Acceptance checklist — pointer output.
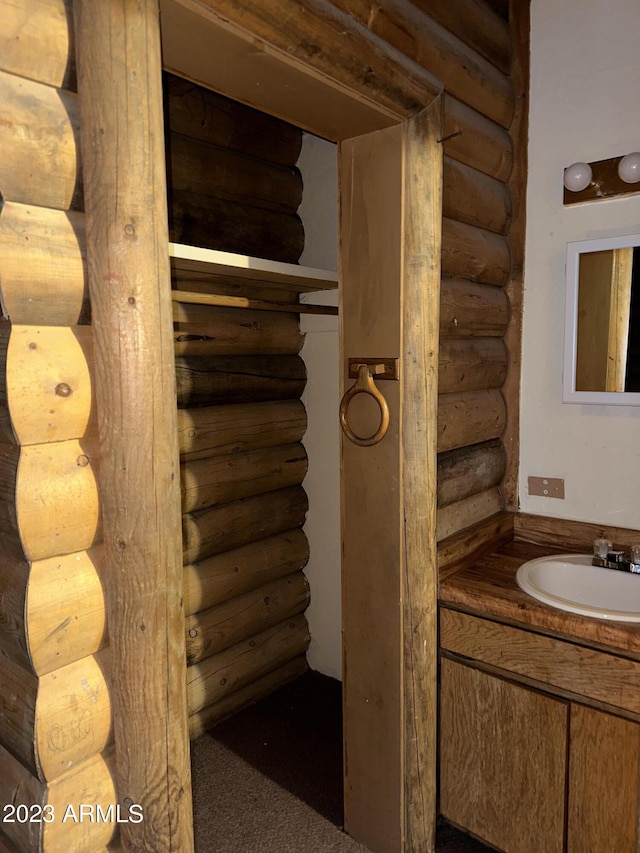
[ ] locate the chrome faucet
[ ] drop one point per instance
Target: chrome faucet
(604, 555)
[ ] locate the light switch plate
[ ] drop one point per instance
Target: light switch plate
(546, 487)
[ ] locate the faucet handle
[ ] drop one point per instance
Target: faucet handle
(601, 548)
(635, 558)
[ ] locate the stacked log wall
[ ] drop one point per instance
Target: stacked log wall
(240, 424)
(468, 46)
(232, 179)
(240, 419)
(55, 714)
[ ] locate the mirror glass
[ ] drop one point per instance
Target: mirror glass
(602, 333)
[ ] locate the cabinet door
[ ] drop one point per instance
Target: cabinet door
(502, 760)
(604, 761)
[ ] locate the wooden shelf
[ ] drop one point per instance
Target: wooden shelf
(226, 265)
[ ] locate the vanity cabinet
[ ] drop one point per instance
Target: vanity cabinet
(502, 760)
(525, 765)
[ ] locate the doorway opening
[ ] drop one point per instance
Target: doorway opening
(258, 392)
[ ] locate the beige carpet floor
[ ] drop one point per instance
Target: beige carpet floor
(269, 780)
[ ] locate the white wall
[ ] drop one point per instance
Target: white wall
(585, 67)
(321, 398)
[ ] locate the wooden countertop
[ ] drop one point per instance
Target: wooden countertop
(489, 588)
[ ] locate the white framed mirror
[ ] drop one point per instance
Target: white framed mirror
(602, 322)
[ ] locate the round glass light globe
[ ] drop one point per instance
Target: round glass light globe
(577, 177)
(629, 168)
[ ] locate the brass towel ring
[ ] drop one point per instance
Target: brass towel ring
(364, 384)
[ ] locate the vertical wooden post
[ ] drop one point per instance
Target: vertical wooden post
(420, 336)
(119, 87)
(391, 183)
(519, 13)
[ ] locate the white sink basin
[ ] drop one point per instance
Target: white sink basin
(570, 582)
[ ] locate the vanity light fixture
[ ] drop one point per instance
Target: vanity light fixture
(602, 179)
(577, 177)
(629, 168)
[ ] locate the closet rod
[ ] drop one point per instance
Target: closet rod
(257, 304)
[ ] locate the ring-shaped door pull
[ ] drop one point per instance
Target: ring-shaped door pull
(364, 384)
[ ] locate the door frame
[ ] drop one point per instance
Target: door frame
(315, 67)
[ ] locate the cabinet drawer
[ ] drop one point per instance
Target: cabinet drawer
(584, 672)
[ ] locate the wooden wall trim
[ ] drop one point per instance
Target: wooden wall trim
(120, 98)
(569, 535)
(463, 71)
(519, 22)
(315, 66)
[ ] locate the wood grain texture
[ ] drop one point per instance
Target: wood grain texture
(73, 715)
(570, 535)
(57, 721)
(245, 696)
(474, 253)
(519, 23)
(42, 167)
(602, 812)
(489, 730)
(91, 782)
(468, 511)
(358, 62)
(372, 241)
(469, 418)
(420, 299)
(214, 630)
(56, 498)
(242, 569)
(468, 309)
(464, 73)
(36, 41)
(475, 140)
(199, 113)
(469, 470)
(19, 786)
(122, 131)
(221, 528)
(219, 676)
(488, 587)
(14, 581)
(18, 713)
(209, 330)
(48, 383)
(473, 197)
(220, 479)
(208, 170)
(65, 609)
(471, 364)
(239, 428)
(203, 380)
(592, 674)
(197, 219)
(42, 268)
(463, 549)
(476, 25)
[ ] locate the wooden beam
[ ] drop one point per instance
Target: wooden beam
(476, 25)
(519, 18)
(464, 73)
(305, 61)
(420, 321)
(120, 97)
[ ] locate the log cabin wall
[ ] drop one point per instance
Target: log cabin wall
(232, 178)
(55, 715)
(233, 185)
(55, 720)
(473, 48)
